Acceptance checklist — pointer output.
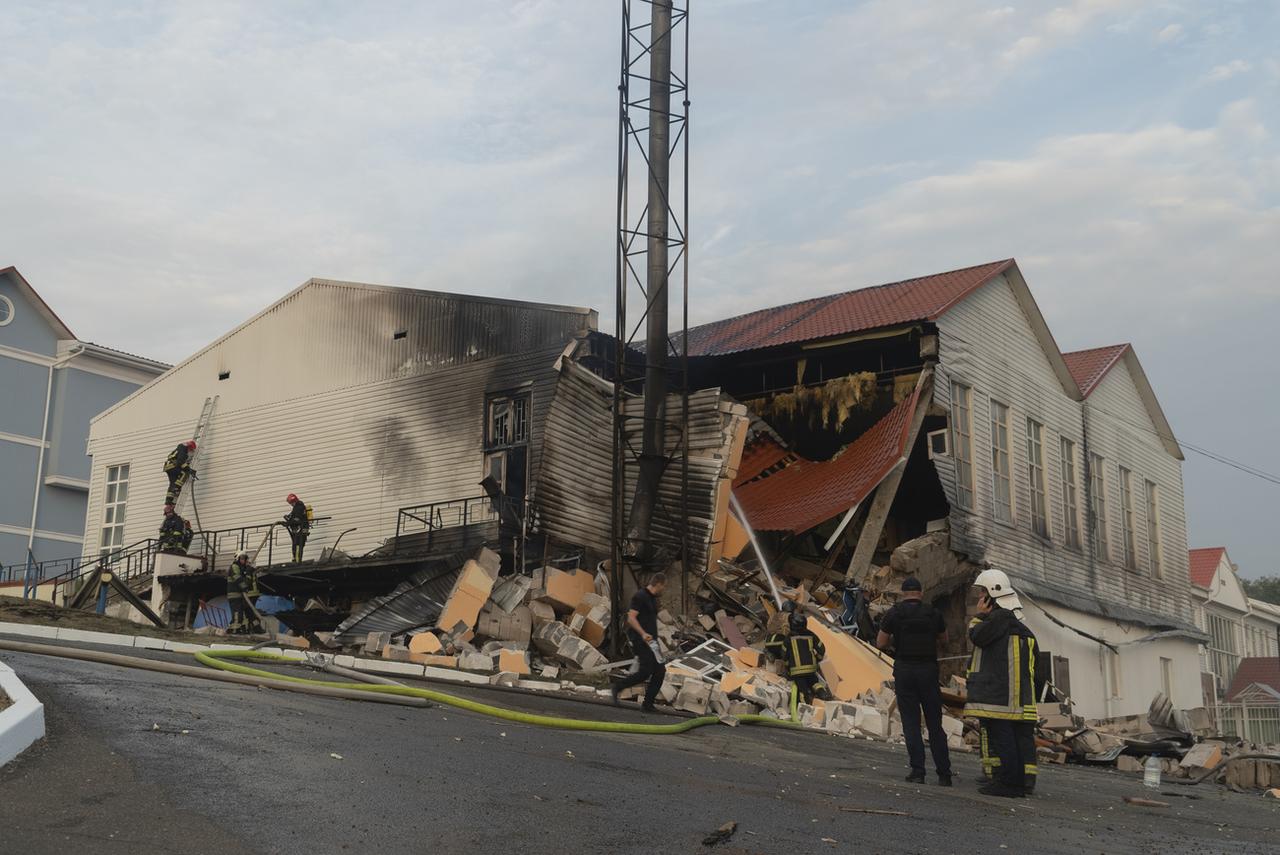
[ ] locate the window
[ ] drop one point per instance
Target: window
(1001, 483)
(1035, 478)
(1224, 654)
(1113, 672)
(400, 335)
(507, 421)
(1128, 544)
(1166, 677)
(6, 311)
(1070, 495)
(1154, 553)
(224, 375)
(117, 494)
(1098, 508)
(962, 441)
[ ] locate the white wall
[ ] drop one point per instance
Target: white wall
(1140, 675)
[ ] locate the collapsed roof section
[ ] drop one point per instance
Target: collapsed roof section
(807, 493)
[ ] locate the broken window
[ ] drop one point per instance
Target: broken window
(1128, 540)
(117, 495)
(962, 442)
(1035, 478)
(1098, 508)
(507, 423)
(1001, 482)
(1154, 552)
(1070, 495)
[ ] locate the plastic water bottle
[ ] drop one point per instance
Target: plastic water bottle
(1151, 772)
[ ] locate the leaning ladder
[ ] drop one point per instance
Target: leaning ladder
(202, 424)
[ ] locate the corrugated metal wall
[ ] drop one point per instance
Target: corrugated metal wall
(576, 478)
(986, 343)
(361, 428)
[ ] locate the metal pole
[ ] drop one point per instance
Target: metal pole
(653, 457)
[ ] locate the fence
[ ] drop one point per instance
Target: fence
(1252, 722)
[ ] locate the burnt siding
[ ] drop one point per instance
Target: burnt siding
(986, 342)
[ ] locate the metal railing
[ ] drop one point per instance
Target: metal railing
(435, 517)
(1252, 722)
(260, 539)
(125, 563)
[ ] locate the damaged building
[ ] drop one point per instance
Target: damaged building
(933, 427)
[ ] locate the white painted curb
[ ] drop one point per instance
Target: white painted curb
(21, 723)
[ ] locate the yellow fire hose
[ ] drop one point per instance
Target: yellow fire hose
(231, 672)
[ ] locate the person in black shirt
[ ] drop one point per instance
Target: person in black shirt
(298, 522)
(642, 632)
(914, 628)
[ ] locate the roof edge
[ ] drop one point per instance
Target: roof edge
(60, 327)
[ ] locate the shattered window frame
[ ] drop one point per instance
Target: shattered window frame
(1155, 550)
(1128, 532)
(115, 502)
(507, 418)
(962, 442)
(1036, 480)
(1070, 493)
(1001, 465)
(1098, 506)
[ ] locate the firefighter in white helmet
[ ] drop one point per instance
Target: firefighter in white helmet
(242, 583)
(1001, 687)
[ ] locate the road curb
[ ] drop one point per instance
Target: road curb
(21, 723)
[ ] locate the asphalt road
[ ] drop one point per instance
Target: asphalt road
(256, 773)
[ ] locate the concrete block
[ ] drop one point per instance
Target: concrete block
(504, 678)
(85, 636)
(513, 661)
(694, 696)
(454, 676)
(538, 685)
(1206, 755)
(144, 642)
(385, 666)
(29, 630)
(344, 661)
(183, 647)
(475, 662)
(22, 722)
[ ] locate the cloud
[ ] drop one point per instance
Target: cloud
(1227, 71)
(1171, 34)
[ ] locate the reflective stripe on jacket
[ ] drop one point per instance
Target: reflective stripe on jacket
(1001, 681)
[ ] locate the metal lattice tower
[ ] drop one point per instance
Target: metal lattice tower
(650, 506)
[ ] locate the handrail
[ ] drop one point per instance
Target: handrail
(454, 513)
(221, 541)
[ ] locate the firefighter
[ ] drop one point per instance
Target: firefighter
(242, 583)
(188, 534)
(1001, 687)
(174, 530)
(802, 654)
(298, 522)
(175, 466)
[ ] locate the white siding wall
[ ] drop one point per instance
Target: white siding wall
(987, 343)
(325, 402)
(356, 454)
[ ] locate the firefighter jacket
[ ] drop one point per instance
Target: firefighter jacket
(802, 651)
(298, 519)
(177, 459)
(242, 580)
(1001, 680)
(172, 532)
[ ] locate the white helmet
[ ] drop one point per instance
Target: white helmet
(242, 554)
(999, 588)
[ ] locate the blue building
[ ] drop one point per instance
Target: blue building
(52, 384)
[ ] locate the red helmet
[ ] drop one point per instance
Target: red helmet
(168, 509)
(291, 498)
(190, 444)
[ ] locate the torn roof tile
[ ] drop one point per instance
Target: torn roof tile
(808, 493)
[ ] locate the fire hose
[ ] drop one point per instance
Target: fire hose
(219, 669)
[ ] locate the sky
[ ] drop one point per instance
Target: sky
(170, 168)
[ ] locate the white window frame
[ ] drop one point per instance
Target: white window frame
(115, 500)
(1037, 482)
(8, 311)
(1070, 471)
(1155, 549)
(962, 442)
(1128, 524)
(1001, 453)
(1224, 647)
(1098, 507)
(1166, 677)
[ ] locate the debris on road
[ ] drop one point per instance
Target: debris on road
(721, 834)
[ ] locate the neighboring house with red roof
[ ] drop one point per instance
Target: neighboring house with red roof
(1238, 627)
(943, 402)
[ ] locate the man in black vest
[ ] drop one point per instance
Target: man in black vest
(914, 629)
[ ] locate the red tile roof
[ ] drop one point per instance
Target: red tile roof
(761, 454)
(923, 299)
(1088, 367)
(1204, 563)
(808, 493)
(1255, 669)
